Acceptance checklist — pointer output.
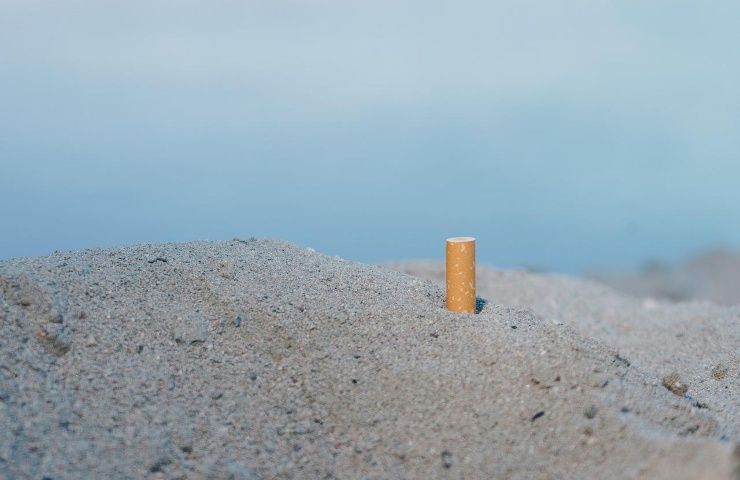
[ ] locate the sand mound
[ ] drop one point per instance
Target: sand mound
(258, 359)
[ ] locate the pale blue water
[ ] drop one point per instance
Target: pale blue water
(564, 135)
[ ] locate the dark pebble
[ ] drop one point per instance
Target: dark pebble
(159, 465)
(538, 415)
(447, 458)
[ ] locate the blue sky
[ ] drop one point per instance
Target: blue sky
(564, 135)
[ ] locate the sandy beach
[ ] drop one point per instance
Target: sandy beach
(252, 359)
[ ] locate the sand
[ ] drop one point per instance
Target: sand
(713, 276)
(698, 341)
(259, 359)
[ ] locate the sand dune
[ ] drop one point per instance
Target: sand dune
(259, 359)
(713, 276)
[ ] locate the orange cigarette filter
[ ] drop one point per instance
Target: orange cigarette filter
(461, 274)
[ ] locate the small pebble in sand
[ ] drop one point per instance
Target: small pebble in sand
(719, 372)
(538, 415)
(447, 458)
(55, 338)
(591, 411)
(674, 383)
(238, 321)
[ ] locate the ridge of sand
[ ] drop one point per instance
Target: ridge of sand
(260, 359)
(712, 276)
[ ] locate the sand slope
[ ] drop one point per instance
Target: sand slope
(698, 341)
(259, 359)
(713, 276)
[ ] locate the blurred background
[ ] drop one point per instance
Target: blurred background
(566, 136)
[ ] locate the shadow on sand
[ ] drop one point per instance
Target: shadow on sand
(480, 303)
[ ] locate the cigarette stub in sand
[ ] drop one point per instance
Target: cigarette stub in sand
(461, 274)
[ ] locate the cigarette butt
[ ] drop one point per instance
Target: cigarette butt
(461, 274)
